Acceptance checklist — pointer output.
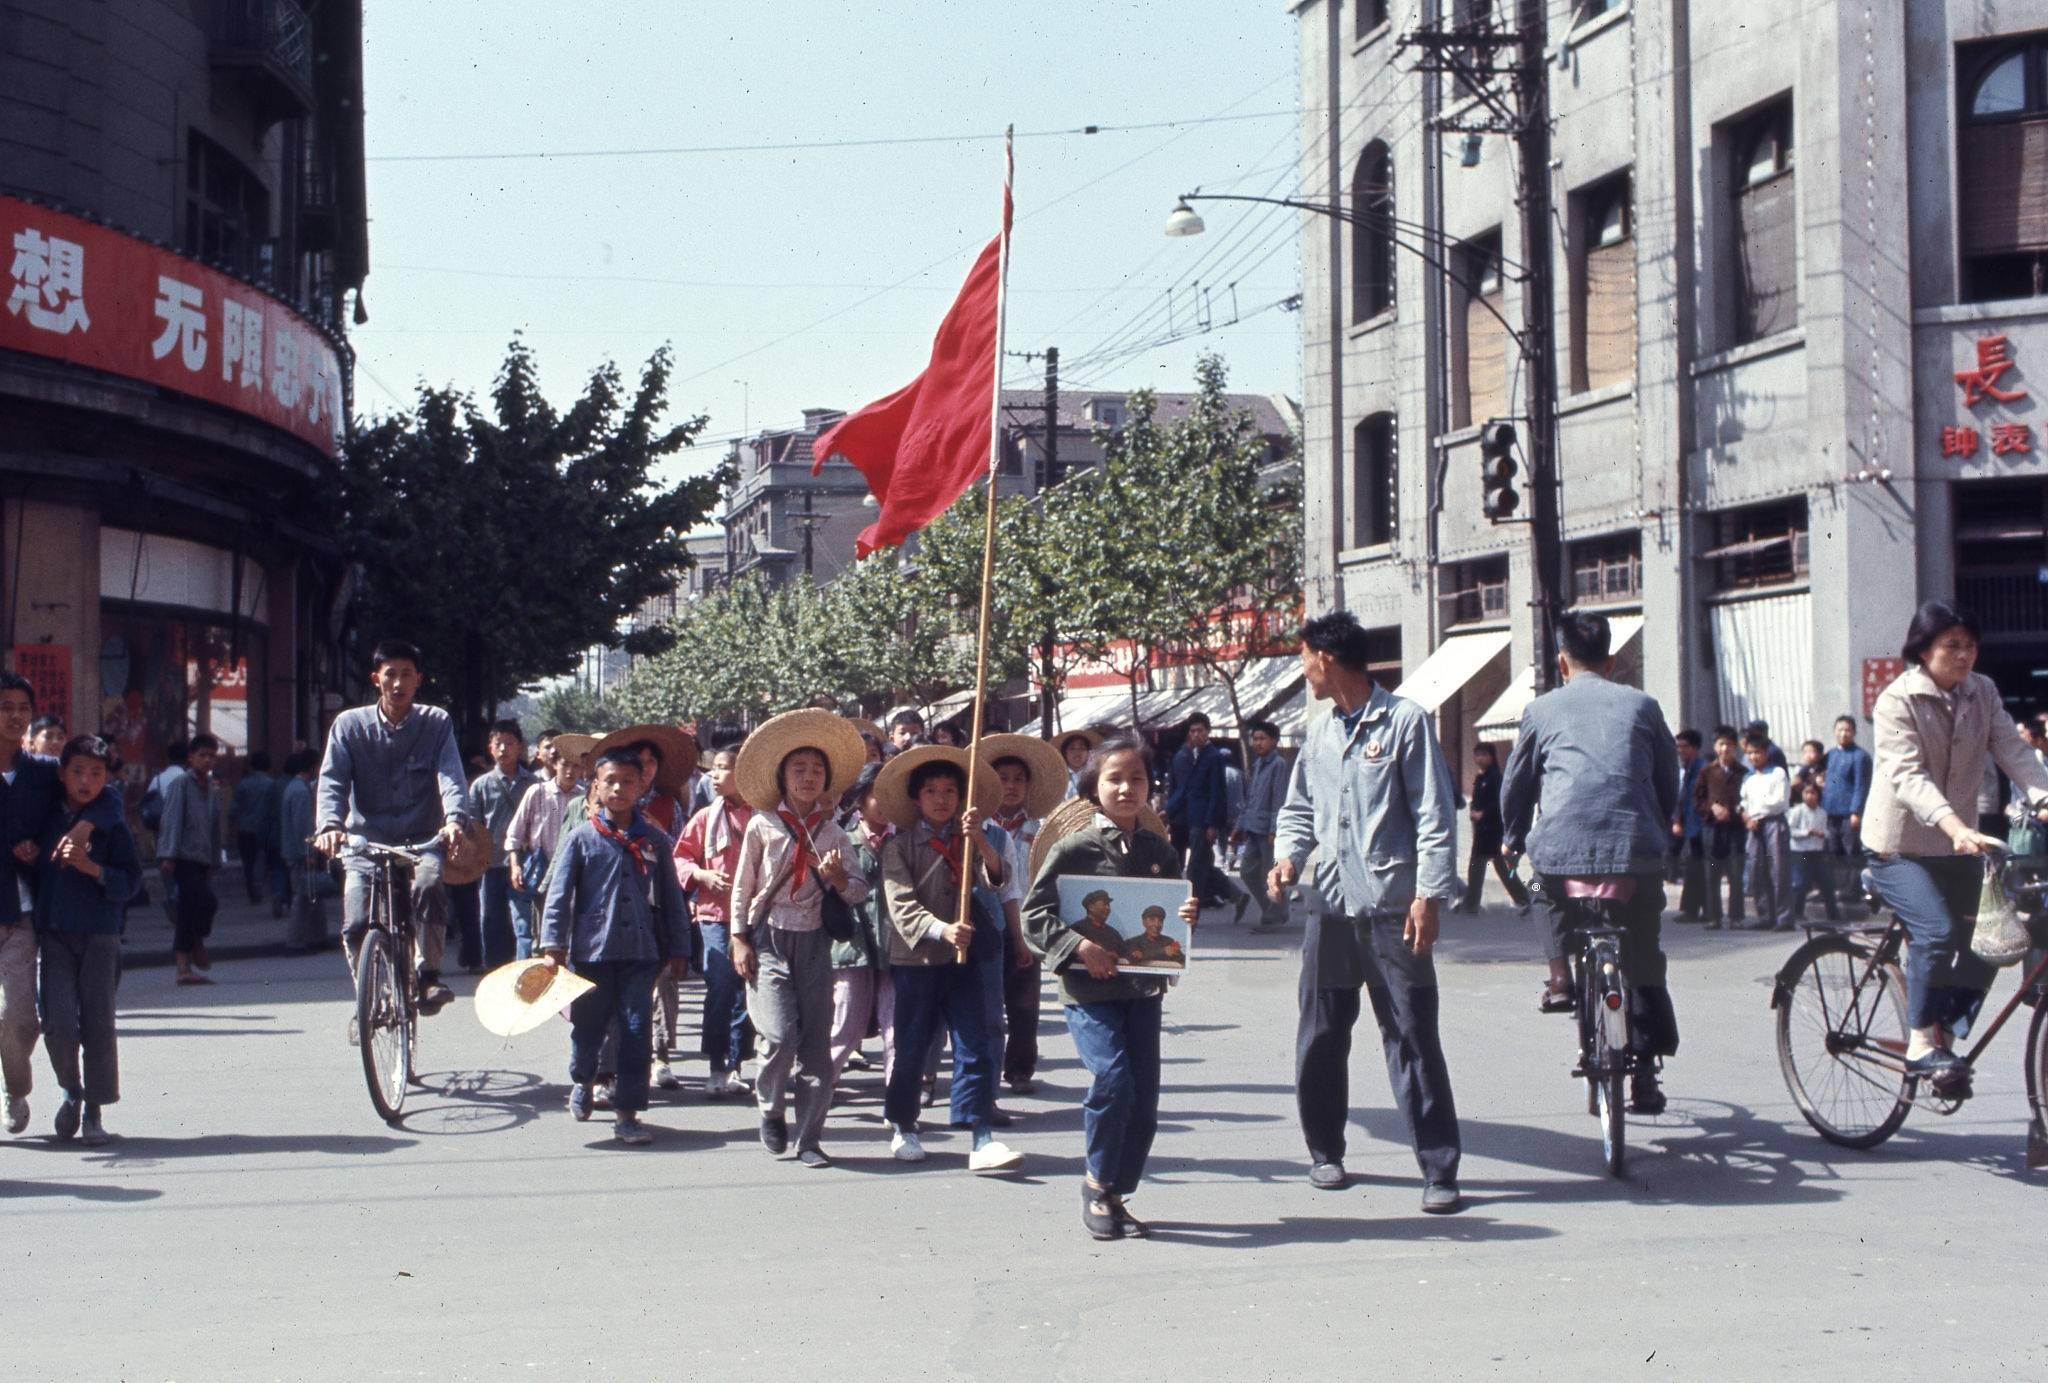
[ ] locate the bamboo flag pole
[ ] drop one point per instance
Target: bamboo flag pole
(988, 536)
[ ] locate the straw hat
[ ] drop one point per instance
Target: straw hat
(869, 728)
(678, 750)
(1069, 817)
(469, 856)
(1093, 736)
(830, 734)
(1048, 769)
(575, 748)
(892, 785)
(523, 995)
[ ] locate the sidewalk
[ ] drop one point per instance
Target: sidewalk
(241, 930)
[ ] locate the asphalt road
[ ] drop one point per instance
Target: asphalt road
(255, 1220)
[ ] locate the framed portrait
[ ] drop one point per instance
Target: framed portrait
(1139, 919)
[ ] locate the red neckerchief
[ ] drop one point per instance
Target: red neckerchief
(632, 845)
(950, 848)
(1012, 824)
(801, 828)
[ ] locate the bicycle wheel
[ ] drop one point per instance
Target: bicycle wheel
(382, 1024)
(2037, 1086)
(1842, 1048)
(1613, 1122)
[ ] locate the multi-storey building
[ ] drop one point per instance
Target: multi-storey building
(1800, 253)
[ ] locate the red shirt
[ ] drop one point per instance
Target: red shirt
(717, 851)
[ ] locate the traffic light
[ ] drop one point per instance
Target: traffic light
(1497, 471)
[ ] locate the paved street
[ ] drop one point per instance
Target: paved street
(256, 1221)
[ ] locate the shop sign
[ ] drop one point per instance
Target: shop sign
(81, 293)
(1981, 385)
(47, 666)
(1879, 673)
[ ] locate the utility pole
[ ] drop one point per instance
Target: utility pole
(1049, 636)
(807, 531)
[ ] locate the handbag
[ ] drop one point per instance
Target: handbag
(833, 911)
(1999, 938)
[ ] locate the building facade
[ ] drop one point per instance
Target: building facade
(1797, 295)
(181, 219)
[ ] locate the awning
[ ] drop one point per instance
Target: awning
(1111, 706)
(1261, 687)
(942, 709)
(1456, 661)
(1503, 718)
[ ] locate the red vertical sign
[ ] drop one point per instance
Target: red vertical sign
(1878, 673)
(47, 666)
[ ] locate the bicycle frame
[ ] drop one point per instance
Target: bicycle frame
(1875, 956)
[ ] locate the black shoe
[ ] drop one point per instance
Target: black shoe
(1328, 1176)
(1645, 1096)
(66, 1126)
(1441, 1198)
(1941, 1064)
(579, 1102)
(1244, 903)
(1126, 1221)
(1098, 1213)
(813, 1158)
(1023, 1085)
(775, 1133)
(434, 996)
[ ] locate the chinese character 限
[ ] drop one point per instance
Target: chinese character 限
(1959, 441)
(1994, 358)
(2010, 439)
(181, 308)
(49, 280)
(241, 342)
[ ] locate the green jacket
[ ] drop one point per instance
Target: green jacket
(869, 948)
(1091, 850)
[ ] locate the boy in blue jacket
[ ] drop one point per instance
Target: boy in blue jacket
(85, 882)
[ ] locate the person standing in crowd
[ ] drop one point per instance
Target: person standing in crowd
(1846, 788)
(1811, 767)
(1484, 810)
(45, 737)
(615, 916)
(151, 812)
(791, 852)
(88, 873)
(306, 869)
(494, 796)
(1197, 811)
(1717, 797)
(1075, 749)
(253, 809)
(1264, 794)
(1774, 757)
(1766, 796)
(1114, 1018)
(707, 853)
(188, 850)
(1370, 785)
(1688, 864)
(1807, 829)
(531, 833)
(862, 993)
(544, 753)
(1033, 777)
(906, 729)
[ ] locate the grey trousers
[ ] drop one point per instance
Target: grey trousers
(18, 1028)
(1770, 872)
(790, 1002)
(1252, 869)
(429, 910)
(80, 973)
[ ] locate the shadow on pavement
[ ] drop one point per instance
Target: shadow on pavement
(125, 1032)
(142, 1150)
(1454, 1229)
(11, 1190)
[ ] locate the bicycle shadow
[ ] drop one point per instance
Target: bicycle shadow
(472, 1102)
(144, 1150)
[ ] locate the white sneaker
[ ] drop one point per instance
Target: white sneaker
(993, 1157)
(17, 1113)
(904, 1147)
(666, 1078)
(735, 1084)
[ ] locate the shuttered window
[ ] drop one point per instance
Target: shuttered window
(1487, 360)
(1604, 317)
(1372, 234)
(2002, 169)
(1766, 226)
(1375, 481)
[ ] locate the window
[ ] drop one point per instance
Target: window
(1765, 223)
(1481, 348)
(2002, 168)
(1603, 314)
(1108, 413)
(1607, 571)
(1473, 592)
(2001, 544)
(227, 209)
(1383, 655)
(1372, 234)
(1762, 545)
(1371, 14)
(1375, 481)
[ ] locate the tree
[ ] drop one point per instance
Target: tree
(505, 543)
(575, 709)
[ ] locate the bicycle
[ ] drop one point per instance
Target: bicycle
(1842, 1027)
(1600, 992)
(387, 982)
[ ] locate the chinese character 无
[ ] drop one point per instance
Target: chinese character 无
(1959, 441)
(49, 281)
(2012, 439)
(181, 308)
(1994, 358)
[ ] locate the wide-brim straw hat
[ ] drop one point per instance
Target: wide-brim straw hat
(469, 856)
(1069, 817)
(523, 995)
(828, 732)
(577, 749)
(678, 750)
(1048, 769)
(1093, 736)
(892, 785)
(868, 728)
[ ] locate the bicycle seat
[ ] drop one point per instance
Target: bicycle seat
(1612, 888)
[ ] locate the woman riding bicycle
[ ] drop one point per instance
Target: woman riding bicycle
(1936, 726)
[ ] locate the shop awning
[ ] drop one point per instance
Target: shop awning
(1456, 661)
(1503, 718)
(1111, 706)
(1261, 687)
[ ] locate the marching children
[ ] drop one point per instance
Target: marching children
(862, 992)
(1033, 777)
(1766, 797)
(1810, 874)
(707, 853)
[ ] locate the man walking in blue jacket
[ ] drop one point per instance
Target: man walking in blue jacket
(1197, 812)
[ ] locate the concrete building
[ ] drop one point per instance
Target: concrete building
(1800, 255)
(181, 218)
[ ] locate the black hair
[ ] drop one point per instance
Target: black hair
(1340, 636)
(550, 733)
(1198, 718)
(624, 755)
(731, 747)
(1813, 744)
(1758, 727)
(1585, 639)
(91, 747)
(395, 651)
(823, 701)
(1066, 740)
(950, 731)
(935, 768)
(1091, 772)
(1259, 727)
(1753, 740)
(1729, 733)
(176, 751)
(42, 723)
(782, 787)
(1488, 750)
(862, 786)
(508, 727)
(14, 681)
(906, 718)
(299, 760)
(637, 747)
(259, 762)
(1931, 621)
(1845, 716)
(200, 744)
(1013, 759)
(1691, 737)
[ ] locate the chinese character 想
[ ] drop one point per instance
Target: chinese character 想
(1994, 358)
(2011, 439)
(49, 280)
(181, 308)
(1959, 441)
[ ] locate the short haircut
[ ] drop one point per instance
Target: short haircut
(1198, 718)
(1729, 733)
(910, 718)
(782, 769)
(620, 755)
(639, 747)
(509, 728)
(1154, 911)
(14, 681)
(927, 772)
(395, 651)
(1484, 748)
(1846, 719)
(1691, 737)
(1066, 740)
(202, 744)
(728, 747)
(175, 751)
(1340, 636)
(259, 762)
(1931, 621)
(1012, 759)
(1758, 727)
(299, 760)
(1261, 727)
(1814, 744)
(42, 723)
(1759, 743)
(1585, 639)
(1091, 772)
(1813, 788)
(550, 733)
(1100, 895)
(91, 747)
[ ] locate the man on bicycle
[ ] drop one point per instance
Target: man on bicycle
(392, 776)
(1600, 760)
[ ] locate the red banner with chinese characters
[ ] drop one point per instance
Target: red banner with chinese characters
(47, 666)
(1878, 673)
(82, 293)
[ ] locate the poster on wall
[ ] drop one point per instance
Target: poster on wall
(47, 666)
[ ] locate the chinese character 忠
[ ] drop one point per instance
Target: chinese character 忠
(49, 280)
(180, 307)
(1959, 441)
(2009, 439)
(284, 368)
(1994, 358)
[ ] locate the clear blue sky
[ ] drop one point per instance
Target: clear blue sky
(735, 258)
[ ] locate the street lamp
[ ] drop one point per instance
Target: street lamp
(1184, 221)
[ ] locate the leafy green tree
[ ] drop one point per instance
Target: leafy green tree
(575, 709)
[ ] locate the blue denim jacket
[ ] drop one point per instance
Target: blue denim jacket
(1848, 781)
(1602, 761)
(600, 907)
(1372, 796)
(68, 901)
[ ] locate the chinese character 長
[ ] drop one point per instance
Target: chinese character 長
(1994, 358)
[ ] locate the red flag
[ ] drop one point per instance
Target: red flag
(922, 446)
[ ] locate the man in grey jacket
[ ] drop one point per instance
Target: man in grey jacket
(1372, 797)
(1600, 760)
(1265, 792)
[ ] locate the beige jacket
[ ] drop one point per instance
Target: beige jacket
(766, 848)
(1930, 760)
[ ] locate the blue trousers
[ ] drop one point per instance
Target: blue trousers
(1118, 1040)
(957, 997)
(507, 926)
(1936, 897)
(624, 995)
(728, 1039)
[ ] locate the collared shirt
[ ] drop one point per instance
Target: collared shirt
(1809, 828)
(190, 831)
(1600, 760)
(1372, 797)
(1766, 793)
(1018, 834)
(1264, 794)
(1933, 751)
(767, 850)
(494, 797)
(391, 784)
(601, 907)
(711, 842)
(1847, 786)
(923, 893)
(536, 822)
